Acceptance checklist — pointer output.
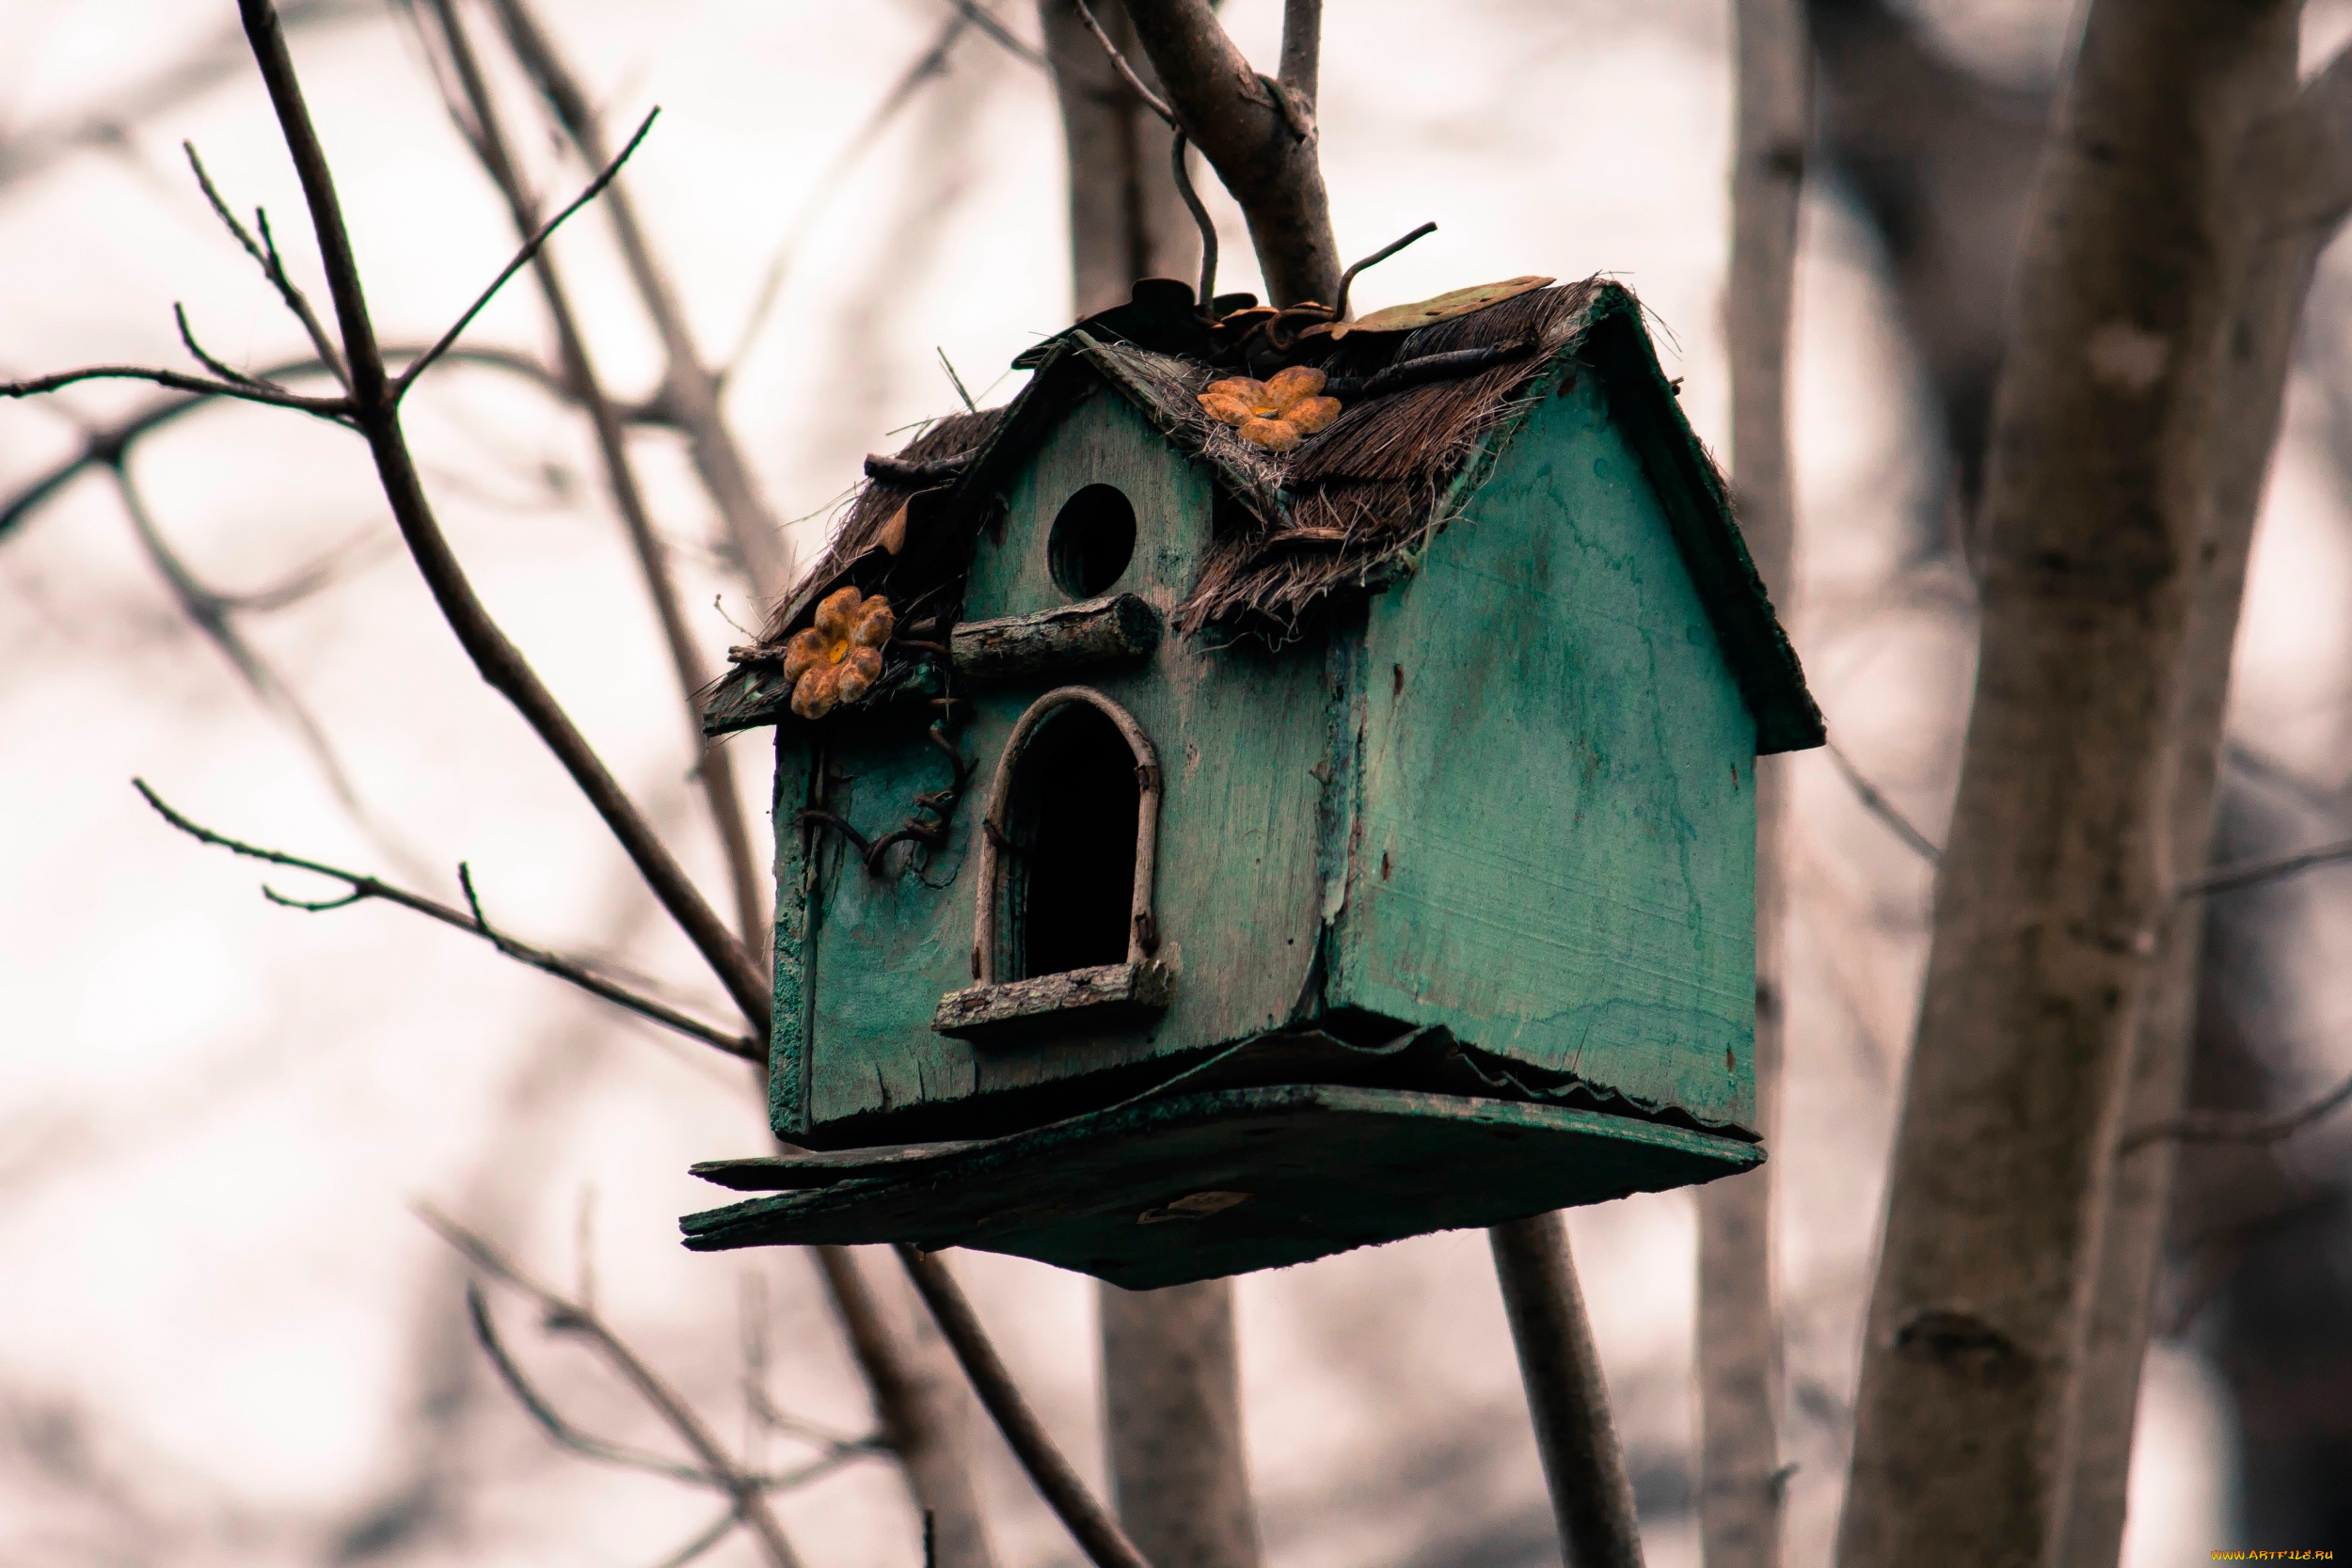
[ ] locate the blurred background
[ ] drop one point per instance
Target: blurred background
(226, 1335)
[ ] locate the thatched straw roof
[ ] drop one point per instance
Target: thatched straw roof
(1425, 412)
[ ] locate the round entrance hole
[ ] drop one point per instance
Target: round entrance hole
(1092, 541)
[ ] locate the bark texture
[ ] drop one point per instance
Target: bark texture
(2297, 167)
(2061, 857)
(1741, 1489)
(1257, 132)
(1171, 1398)
(1126, 220)
(1591, 1496)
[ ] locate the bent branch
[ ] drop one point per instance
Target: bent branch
(471, 920)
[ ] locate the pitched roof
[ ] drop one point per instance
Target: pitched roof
(1426, 412)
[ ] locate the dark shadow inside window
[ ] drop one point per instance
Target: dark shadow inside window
(1075, 809)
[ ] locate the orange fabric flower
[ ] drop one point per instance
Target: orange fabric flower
(1275, 414)
(838, 659)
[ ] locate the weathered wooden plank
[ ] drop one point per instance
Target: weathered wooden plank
(1047, 641)
(1555, 854)
(1105, 990)
(1163, 1192)
(1241, 736)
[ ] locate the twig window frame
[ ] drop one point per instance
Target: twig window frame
(1142, 925)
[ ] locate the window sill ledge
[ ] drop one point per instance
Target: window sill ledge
(1102, 993)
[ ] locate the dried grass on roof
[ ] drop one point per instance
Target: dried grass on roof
(871, 508)
(1334, 514)
(1369, 489)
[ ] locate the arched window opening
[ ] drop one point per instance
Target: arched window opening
(1072, 818)
(1067, 849)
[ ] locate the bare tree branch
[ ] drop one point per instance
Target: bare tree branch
(1126, 68)
(1258, 134)
(224, 371)
(531, 247)
(933, 1459)
(564, 1435)
(1096, 1533)
(375, 403)
(209, 612)
(569, 1317)
(326, 408)
(690, 391)
(103, 445)
(997, 33)
(719, 1529)
(1302, 46)
(2236, 1127)
(471, 920)
(2228, 878)
(929, 64)
(264, 254)
(27, 151)
(716, 770)
(561, 1431)
(1874, 800)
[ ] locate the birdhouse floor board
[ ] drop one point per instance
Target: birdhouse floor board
(1201, 1185)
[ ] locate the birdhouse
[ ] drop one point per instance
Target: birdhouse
(1267, 791)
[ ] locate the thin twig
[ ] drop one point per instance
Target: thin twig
(2230, 1126)
(1884, 809)
(569, 1317)
(264, 254)
(930, 63)
(209, 612)
(364, 887)
(1152, 101)
(689, 390)
(531, 247)
(1090, 1524)
(719, 1531)
(997, 34)
(2229, 878)
(103, 447)
(500, 663)
(220, 368)
(552, 1421)
(325, 408)
(716, 771)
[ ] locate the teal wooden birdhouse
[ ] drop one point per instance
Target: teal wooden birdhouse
(1255, 796)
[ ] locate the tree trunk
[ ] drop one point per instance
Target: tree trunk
(1126, 220)
(1591, 1497)
(1739, 1321)
(2299, 216)
(2058, 870)
(1171, 1406)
